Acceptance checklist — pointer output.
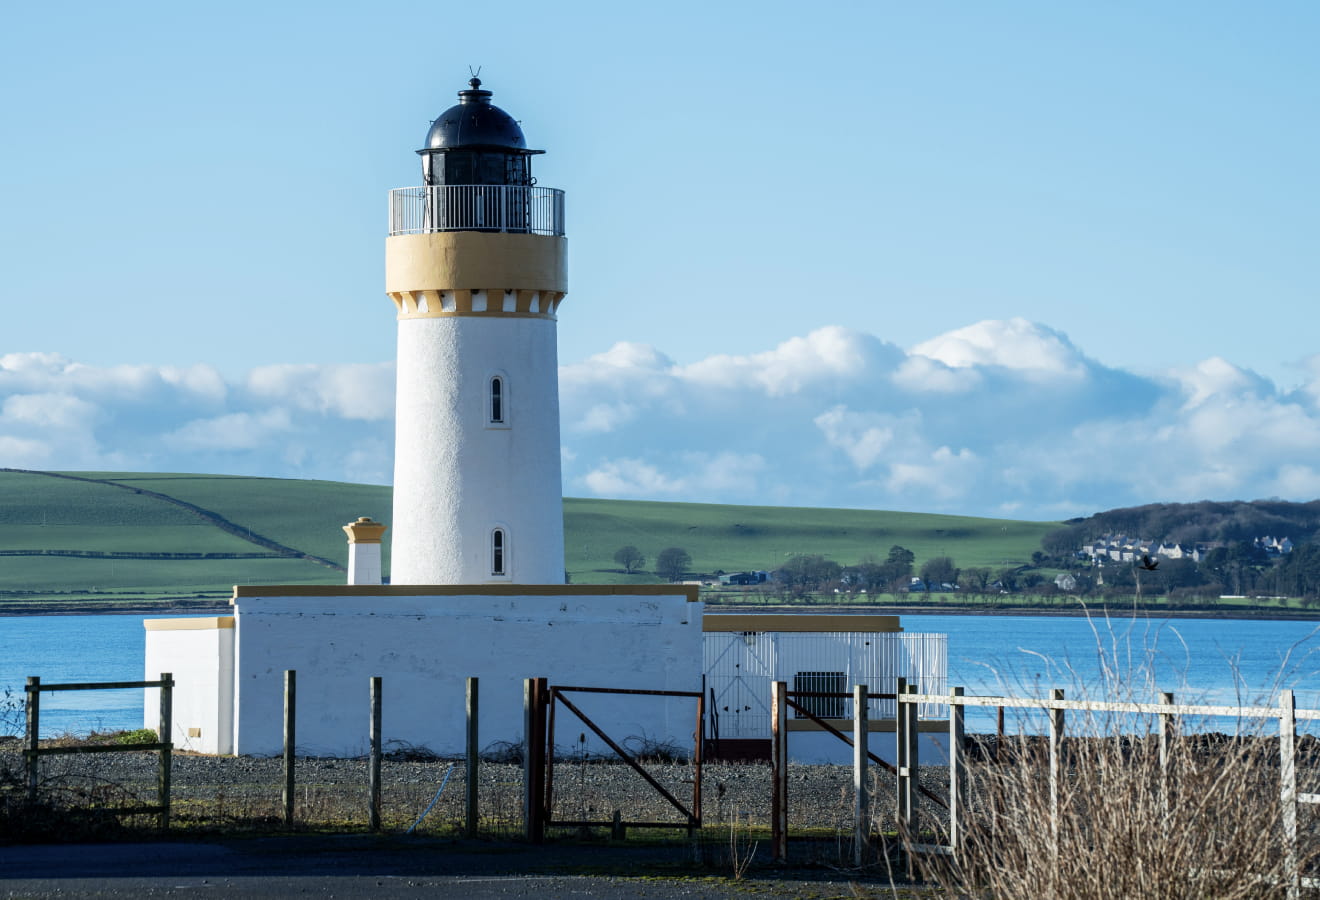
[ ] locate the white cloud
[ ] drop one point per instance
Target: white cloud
(55, 411)
(235, 431)
(921, 373)
(1009, 344)
(827, 355)
(690, 473)
(993, 419)
(864, 438)
(360, 391)
(24, 453)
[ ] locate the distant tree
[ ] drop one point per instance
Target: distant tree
(1063, 541)
(1298, 574)
(805, 574)
(672, 563)
(939, 570)
(869, 575)
(1236, 567)
(896, 569)
(1008, 579)
(630, 558)
(975, 579)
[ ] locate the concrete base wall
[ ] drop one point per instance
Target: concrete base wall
(424, 646)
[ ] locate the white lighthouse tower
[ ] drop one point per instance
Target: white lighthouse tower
(476, 266)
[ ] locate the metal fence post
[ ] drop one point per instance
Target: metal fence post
(473, 759)
(698, 755)
(913, 779)
(779, 771)
(290, 741)
(32, 701)
(166, 738)
(861, 789)
(373, 808)
(1288, 788)
(901, 810)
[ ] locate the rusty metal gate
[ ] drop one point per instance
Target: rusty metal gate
(542, 700)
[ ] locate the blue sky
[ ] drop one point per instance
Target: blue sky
(905, 246)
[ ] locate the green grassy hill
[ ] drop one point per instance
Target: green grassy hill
(120, 535)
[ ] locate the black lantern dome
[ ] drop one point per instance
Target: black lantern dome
(476, 142)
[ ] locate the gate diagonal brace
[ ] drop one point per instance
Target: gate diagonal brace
(556, 694)
(939, 801)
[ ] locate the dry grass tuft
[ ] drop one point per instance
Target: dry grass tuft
(1206, 823)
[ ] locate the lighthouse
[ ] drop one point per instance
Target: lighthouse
(475, 263)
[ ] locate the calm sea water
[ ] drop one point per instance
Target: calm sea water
(1203, 660)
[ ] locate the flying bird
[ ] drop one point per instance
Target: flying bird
(1150, 564)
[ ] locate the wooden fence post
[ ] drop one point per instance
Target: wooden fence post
(290, 741)
(471, 817)
(999, 733)
(32, 701)
(861, 786)
(534, 758)
(1288, 788)
(1056, 764)
(166, 738)
(1168, 726)
(957, 778)
(779, 771)
(373, 809)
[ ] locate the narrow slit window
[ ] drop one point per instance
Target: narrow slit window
(497, 552)
(497, 400)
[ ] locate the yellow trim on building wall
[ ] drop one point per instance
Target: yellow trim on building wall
(465, 590)
(206, 623)
(790, 622)
(474, 260)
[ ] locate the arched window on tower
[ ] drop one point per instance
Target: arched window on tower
(497, 551)
(497, 401)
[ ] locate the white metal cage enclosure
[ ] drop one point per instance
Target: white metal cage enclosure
(740, 666)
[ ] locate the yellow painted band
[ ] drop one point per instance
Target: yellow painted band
(790, 622)
(471, 260)
(203, 623)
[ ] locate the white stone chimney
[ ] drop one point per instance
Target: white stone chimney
(364, 550)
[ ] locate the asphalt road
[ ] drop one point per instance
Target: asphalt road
(352, 866)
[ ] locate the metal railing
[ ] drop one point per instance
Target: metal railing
(477, 207)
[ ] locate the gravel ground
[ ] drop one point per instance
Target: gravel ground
(333, 793)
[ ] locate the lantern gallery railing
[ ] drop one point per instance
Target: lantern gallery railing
(477, 207)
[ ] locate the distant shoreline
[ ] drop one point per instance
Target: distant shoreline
(92, 608)
(222, 608)
(1092, 612)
